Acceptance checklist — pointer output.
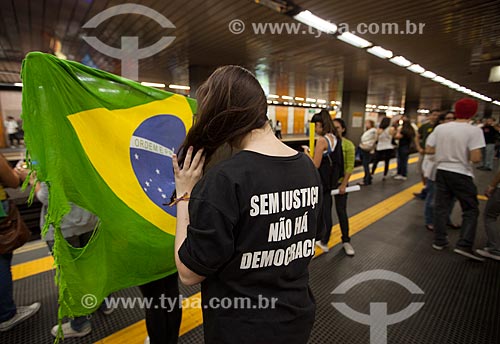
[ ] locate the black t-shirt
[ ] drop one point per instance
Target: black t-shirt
(424, 131)
(406, 140)
(490, 134)
(251, 233)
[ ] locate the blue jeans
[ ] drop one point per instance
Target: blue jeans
(7, 306)
(365, 159)
(403, 154)
(488, 155)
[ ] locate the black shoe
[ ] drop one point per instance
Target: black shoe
(482, 168)
(454, 226)
(419, 195)
(469, 253)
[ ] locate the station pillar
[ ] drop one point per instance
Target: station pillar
(354, 93)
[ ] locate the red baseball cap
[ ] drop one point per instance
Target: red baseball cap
(465, 108)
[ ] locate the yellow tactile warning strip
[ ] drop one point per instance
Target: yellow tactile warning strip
(192, 317)
(136, 333)
(32, 267)
(371, 215)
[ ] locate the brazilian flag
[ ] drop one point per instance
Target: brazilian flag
(104, 143)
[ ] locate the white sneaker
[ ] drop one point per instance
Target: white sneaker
(400, 177)
(467, 252)
(146, 341)
(106, 311)
(68, 332)
(393, 174)
(349, 250)
(322, 246)
(486, 252)
(23, 313)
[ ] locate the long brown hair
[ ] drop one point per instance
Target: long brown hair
(231, 103)
(326, 121)
(407, 129)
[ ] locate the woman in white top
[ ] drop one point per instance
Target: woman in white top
(384, 150)
(367, 146)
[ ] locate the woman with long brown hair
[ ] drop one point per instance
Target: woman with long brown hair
(329, 161)
(246, 228)
(406, 135)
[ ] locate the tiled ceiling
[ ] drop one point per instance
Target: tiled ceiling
(461, 41)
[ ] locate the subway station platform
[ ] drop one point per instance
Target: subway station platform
(459, 298)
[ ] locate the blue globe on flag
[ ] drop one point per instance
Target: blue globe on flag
(151, 149)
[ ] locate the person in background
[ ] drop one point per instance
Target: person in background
(490, 137)
(328, 159)
(429, 170)
(384, 149)
(455, 145)
(367, 147)
(405, 134)
(491, 213)
(11, 127)
(420, 140)
(348, 152)
(77, 228)
(10, 314)
(278, 130)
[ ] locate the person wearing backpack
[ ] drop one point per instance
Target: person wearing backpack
(329, 161)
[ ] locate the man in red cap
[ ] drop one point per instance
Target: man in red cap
(455, 145)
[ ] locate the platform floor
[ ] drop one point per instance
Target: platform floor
(461, 297)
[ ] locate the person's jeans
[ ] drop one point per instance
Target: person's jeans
(163, 324)
(7, 306)
(449, 185)
(403, 154)
(325, 219)
(491, 213)
(488, 155)
(430, 203)
(341, 208)
(365, 160)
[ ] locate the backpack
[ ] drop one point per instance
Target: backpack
(332, 166)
